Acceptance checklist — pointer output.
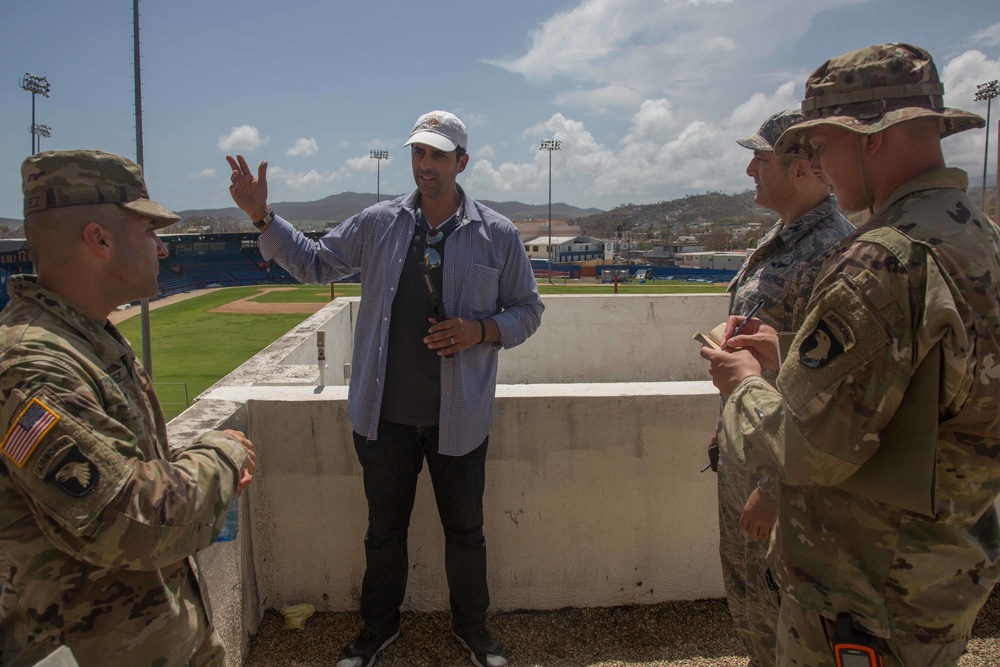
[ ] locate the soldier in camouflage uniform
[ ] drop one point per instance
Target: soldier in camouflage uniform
(886, 526)
(98, 517)
(779, 273)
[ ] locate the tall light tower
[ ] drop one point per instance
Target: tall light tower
(40, 131)
(36, 85)
(987, 91)
(378, 156)
(550, 145)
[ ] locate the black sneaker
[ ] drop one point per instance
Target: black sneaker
(485, 652)
(365, 648)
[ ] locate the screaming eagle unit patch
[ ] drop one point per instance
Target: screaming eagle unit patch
(830, 338)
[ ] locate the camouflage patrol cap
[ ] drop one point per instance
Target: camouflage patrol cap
(769, 132)
(871, 89)
(75, 178)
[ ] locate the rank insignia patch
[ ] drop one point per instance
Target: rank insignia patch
(31, 426)
(831, 337)
(75, 473)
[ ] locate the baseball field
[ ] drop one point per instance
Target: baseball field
(197, 341)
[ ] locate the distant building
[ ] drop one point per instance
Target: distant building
(723, 261)
(539, 227)
(665, 254)
(565, 249)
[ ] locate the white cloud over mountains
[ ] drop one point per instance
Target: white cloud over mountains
(241, 138)
(303, 148)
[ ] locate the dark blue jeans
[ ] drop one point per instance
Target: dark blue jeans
(391, 465)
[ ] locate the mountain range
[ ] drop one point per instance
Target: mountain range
(337, 208)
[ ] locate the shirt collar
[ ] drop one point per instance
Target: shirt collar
(793, 232)
(466, 209)
(942, 177)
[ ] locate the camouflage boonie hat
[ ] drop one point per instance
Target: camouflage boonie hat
(767, 135)
(75, 178)
(871, 89)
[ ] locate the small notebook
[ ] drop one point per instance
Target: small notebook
(713, 338)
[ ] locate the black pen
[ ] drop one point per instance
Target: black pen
(739, 329)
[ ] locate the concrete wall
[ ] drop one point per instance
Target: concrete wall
(587, 338)
(593, 492)
(615, 338)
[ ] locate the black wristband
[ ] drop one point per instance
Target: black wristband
(482, 327)
(265, 221)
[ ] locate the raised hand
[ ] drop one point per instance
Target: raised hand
(249, 193)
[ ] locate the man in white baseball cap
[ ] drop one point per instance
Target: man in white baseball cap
(419, 392)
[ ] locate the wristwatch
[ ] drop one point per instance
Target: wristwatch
(268, 219)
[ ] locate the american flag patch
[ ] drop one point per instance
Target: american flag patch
(34, 422)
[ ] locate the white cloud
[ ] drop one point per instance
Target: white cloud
(604, 54)
(960, 76)
(243, 137)
(203, 174)
(303, 148)
(486, 152)
(658, 153)
(301, 181)
(314, 181)
(365, 163)
(989, 36)
(602, 99)
(719, 44)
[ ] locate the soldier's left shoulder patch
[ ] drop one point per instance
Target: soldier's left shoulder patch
(74, 473)
(30, 427)
(830, 338)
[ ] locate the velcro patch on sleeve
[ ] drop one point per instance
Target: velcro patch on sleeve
(830, 338)
(30, 427)
(843, 333)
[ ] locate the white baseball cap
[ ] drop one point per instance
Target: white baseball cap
(440, 129)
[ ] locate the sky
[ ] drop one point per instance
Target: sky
(646, 96)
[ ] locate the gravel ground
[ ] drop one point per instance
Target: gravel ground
(688, 634)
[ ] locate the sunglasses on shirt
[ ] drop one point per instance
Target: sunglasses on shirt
(432, 258)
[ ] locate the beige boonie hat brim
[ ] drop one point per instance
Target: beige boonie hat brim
(162, 217)
(950, 121)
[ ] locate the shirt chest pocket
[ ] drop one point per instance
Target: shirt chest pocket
(478, 291)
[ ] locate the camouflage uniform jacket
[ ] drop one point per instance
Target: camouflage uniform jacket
(923, 271)
(781, 270)
(98, 518)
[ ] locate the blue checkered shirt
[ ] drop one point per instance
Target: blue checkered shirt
(487, 274)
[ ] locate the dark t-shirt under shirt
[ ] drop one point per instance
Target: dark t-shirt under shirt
(412, 393)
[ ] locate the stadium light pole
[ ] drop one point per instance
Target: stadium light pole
(36, 85)
(40, 131)
(147, 338)
(550, 145)
(987, 91)
(378, 156)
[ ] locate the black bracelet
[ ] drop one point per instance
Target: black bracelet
(482, 327)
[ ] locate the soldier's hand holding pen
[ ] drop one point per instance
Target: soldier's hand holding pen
(761, 340)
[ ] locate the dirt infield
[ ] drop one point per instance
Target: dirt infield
(117, 316)
(245, 305)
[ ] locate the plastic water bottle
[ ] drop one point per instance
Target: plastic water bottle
(232, 524)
